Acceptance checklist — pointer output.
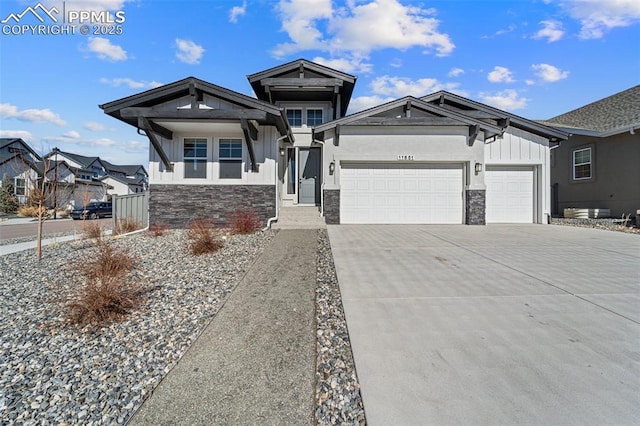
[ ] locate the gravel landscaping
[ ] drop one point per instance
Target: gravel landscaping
(618, 225)
(54, 373)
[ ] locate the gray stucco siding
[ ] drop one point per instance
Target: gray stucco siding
(615, 181)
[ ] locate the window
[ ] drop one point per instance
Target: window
(291, 171)
(582, 164)
(20, 186)
(295, 117)
(314, 117)
(195, 158)
(230, 158)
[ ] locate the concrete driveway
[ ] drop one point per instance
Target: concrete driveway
(498, 324)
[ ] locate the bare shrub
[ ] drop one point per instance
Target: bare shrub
(158, 229)
(244, 222)
(201, 237)
(106, 293)
(92, 230)
(32, 211)
(126, 225)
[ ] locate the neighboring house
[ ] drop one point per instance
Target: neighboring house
(437, 159)
(18, 161)
(599, 166)
(98, 179)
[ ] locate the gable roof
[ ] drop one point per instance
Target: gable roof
(488, 113)
(124, 180)
(300, 78)
(185, 87)
(128, 169)
(445, 109)
(84, 160)
(7, 142)
(614, 114)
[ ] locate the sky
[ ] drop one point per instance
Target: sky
(534, 58)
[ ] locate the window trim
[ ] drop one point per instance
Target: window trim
(574, 164)
(16, 186)
(205, 158)
(221, 159)
(286, 111)
(308, 110)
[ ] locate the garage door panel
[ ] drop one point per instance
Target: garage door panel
(510, 194)
(415, 193)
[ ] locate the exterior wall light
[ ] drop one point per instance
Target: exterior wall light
(332, 167)
(478, 167)
(282, 152)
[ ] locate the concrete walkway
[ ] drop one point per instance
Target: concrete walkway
(496, 324)
(255, 362)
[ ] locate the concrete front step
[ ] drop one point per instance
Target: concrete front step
(299, 217)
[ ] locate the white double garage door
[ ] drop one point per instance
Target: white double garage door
(424, 193)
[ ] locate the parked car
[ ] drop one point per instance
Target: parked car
(93, 211)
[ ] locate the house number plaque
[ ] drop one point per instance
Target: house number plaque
(405, 157)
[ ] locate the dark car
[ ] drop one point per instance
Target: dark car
(92, 211)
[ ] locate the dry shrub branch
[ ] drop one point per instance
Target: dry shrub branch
(202, 238)
(106, 292)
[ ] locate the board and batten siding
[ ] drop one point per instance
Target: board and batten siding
(265, 149)
(520, 148)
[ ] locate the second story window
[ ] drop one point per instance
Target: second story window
(295, 117)
(314, 117)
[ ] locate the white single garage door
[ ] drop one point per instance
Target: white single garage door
(401, 193)
(509, 194)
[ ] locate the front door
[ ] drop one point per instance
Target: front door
(309, 182)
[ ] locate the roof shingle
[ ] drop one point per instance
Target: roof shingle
(613, 112)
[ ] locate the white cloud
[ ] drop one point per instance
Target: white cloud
(353, 65)
(500, 75)
(398, 87)
(551, 30)
(299, 22)
(549, 73)
(396, 63)
(188, 51)
(32, 115)
(93, 126)
(105, 50)
(456, 72)
(22, 134)
(72, 134)
(359, 27)
(599, 16)
(503, 31)
(361, 103)
(132, 84)
(237, 11)
(508, 100)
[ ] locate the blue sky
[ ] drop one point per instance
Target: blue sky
(536, 58)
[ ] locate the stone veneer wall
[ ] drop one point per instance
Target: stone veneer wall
(331, 206)
(476, 206)
(176, 205)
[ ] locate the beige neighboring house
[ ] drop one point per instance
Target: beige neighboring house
(598, 167)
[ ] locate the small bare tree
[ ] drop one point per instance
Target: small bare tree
(41, 190)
